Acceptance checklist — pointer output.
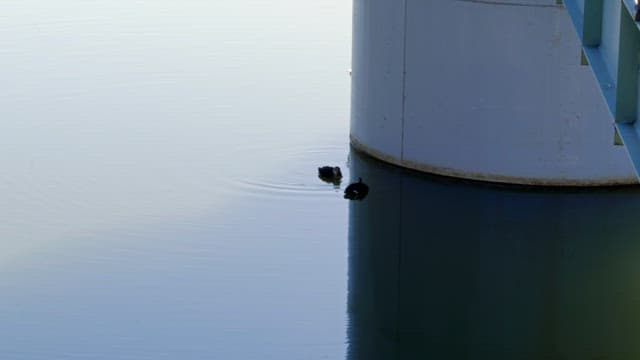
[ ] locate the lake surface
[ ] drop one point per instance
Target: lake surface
(159, 200)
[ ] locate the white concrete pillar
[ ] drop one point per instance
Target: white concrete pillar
(489, 90)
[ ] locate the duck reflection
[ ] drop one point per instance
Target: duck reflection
(445, 270)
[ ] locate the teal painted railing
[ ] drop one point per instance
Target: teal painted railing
(611, 42)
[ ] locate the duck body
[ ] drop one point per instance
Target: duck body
(330, 174)
(356, 191)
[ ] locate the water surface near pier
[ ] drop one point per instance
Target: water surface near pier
(158, 200)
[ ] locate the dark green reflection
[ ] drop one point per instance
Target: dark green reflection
(444, 270)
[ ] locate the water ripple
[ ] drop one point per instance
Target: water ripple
(299, 176)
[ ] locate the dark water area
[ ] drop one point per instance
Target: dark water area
(443, 269)
(159, 200)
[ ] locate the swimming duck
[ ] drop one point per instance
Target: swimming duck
(356, 191)
(330, 174)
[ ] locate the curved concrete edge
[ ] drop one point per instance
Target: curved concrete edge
(495, 178)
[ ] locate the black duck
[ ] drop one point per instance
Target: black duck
(330, 174)
(356, 191)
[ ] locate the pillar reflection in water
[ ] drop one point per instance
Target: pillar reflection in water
(446, 270)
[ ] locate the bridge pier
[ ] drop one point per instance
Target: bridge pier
(487, 90)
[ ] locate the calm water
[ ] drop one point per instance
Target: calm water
(158, 200)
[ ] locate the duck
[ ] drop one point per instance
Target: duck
(330, 174)
(356, 191)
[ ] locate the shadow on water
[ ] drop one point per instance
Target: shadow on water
(444, 270)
